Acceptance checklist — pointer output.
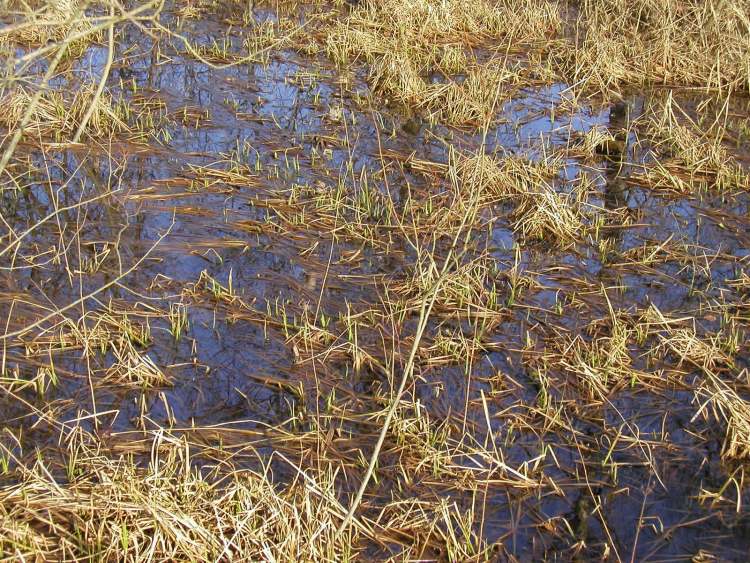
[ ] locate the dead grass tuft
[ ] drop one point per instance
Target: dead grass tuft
(50, 21)
(57, 116)
(170, 510)
(691, 157)
(724, 404)
(679, 337)
(635, 42)
(420, 51)
(540, 211)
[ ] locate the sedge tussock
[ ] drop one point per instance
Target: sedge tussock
(93, 333)
(636, 42)
(722, 403)
(540, 211)
(600, 141)
(47, 116)
(418, 25)
(470, 102)
(53, 21)
(134, 367)
(549, 215)
(58, 116)
(504, 177)
(98, 334)
(110, 508)
(468, 291)
(692, 157)
(422, 445)
(406, 41)
(602, 363)
(686, 345)
(715, 396)
(679, 337)
(432, 527)
(453, 347)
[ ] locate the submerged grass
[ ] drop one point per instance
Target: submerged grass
(249, 314)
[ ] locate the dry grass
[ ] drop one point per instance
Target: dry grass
(58, 116)
(618, 43)
(168, 510)
(714, 395)
(273, 323)
(678, 337)
(602, 364)
(540, 212)
(51, 20)
(691, 157)
(407, 41)
(717, 399)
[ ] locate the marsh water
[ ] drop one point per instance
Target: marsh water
(237, 251)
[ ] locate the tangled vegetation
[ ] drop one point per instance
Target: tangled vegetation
(380, 279)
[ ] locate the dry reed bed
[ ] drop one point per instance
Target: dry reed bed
(405, 41)
(617, 43)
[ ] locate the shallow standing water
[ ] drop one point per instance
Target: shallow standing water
(239, 174)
